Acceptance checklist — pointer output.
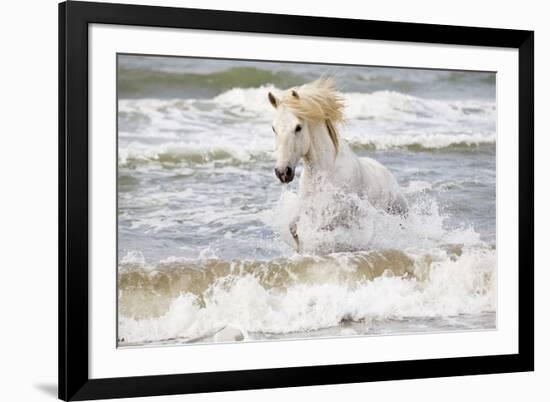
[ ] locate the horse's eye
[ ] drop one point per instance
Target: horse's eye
(273, 128)
(298, 128)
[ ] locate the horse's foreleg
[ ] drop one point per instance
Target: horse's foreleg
(399, 206)
(293, 227)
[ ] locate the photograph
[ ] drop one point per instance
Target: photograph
(281, 200)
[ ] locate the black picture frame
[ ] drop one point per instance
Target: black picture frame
(74, 18)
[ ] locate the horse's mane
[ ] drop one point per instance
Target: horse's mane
(317, 101)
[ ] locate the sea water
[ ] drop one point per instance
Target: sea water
(204, 252)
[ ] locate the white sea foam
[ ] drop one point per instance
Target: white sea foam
(453, 286)
(188, 151)
(133, 257)
(235, 125)
(204, 151)
(247, 100)
(417, 186)
(422, 140)
(365, 228)
(400, 106)
(387, 104)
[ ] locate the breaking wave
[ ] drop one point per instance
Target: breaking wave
(188, 300)
(190, 129)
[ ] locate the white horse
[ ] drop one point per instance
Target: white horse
(305, 127)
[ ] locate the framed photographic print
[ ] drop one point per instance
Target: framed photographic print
(258, 201)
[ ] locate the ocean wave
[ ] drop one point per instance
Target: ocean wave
(388, 104)
(197, 152)
(425, 142)
(200, 152)
(235, 125)
(191, 299)
(140, 76)
(138, 82)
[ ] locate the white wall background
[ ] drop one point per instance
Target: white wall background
(28, 198)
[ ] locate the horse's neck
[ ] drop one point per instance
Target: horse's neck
(319, 162)
(321, 155)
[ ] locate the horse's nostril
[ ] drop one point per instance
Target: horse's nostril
(285, 174)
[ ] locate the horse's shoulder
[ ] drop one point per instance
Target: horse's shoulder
(375, 172)
(373, 163)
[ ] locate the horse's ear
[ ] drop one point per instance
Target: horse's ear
(273, 100)
(295, 94)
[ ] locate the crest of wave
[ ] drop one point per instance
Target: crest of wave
(464, 285)
(389, 104)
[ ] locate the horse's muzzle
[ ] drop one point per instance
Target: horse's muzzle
(286, 175)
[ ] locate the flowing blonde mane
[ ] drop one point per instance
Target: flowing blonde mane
(317, 101)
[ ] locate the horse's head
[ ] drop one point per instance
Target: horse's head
(291, 138)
